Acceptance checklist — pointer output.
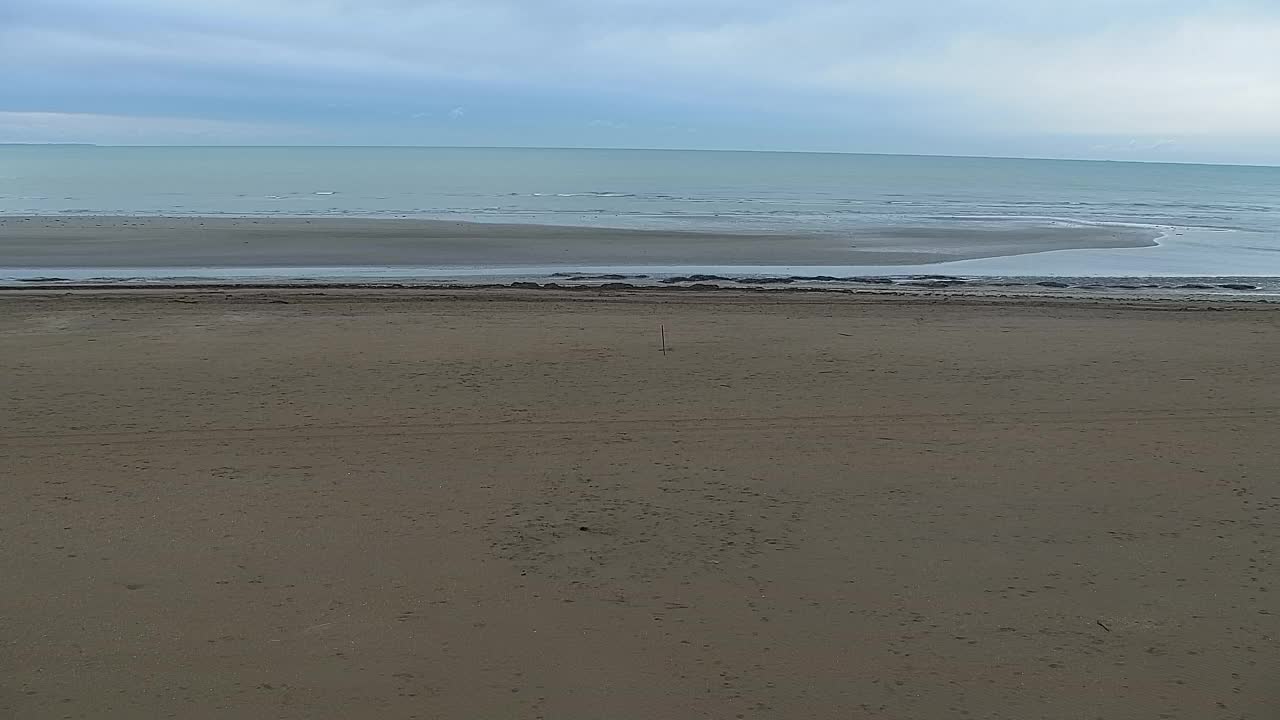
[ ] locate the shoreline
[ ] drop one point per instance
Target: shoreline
(627, 293)
(1214, 288)
(46, 251)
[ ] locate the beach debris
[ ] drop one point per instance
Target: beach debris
(1103, 626)
(608, 276)
(934, 283)
(695, 278)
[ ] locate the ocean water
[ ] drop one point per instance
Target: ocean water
(1213, 220)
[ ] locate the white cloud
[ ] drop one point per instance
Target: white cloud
(1187, 77)
(1150, 69)
(1202, 74)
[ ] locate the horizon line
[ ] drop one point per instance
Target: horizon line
(642, 149)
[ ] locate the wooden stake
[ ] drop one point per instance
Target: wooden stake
(663, 329)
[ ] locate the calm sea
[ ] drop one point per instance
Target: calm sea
(628, 188)
(734, 191)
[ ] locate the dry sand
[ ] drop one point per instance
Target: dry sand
(496, 504)
(107, 242)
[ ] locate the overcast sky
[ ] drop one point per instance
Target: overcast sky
(1117, 79)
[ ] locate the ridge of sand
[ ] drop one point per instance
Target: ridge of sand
(143, 241)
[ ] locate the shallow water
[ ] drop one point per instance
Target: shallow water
(1216, 220)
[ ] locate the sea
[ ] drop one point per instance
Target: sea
(1213, 221)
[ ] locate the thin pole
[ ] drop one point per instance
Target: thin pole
(663, 329)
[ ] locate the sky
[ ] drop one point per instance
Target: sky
(1164, 80)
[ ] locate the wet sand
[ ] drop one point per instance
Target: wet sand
(495, 503)
(108, 242)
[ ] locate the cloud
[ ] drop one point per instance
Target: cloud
(960, 72)
(36, 127)
(1209, 72)
(1199, 76)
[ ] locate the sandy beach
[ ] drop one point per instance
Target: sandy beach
(108, 242)
(502, 504)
